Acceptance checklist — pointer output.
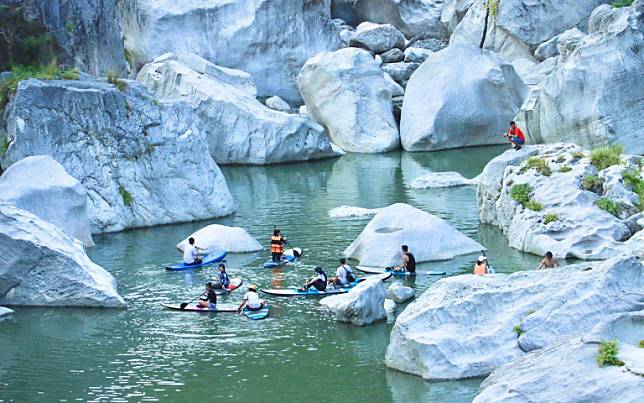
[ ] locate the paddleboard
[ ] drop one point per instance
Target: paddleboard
(380, 270)
(195, 308)
(313, 292)
(287, 257)
(234, 284)
(211, 258)
(258, 314)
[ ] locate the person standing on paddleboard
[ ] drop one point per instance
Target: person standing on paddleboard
(319, 282)
(408, 261)
(224, 281)
(251, 300)
(191, 253)
(277, 245)
(209, 298)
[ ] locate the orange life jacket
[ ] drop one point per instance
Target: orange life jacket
(276, 244)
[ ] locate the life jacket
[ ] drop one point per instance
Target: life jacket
(411, 264)
(223, 279)
(276, 244)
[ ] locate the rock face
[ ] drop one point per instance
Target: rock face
(433, 180)
(447, 106)
(568, 370)
(377, 38)
(43, 266)
(42, 187)
(142, 163)
(254, 36)
(595, 97)
(240, 130)
(399, 293)
(221, 237)
(564, 40)
(467, 326)
(401, 224)
(361, 306)
(580, 228)
(345, 92)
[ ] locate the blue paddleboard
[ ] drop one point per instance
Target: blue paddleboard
(379, 270)
(211, 258)
(256, 314)
(311, 292)
(287, 257)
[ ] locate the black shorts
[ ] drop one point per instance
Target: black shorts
(319, 285)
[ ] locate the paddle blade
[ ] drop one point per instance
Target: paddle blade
(183, 305)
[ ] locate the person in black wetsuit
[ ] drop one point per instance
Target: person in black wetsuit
(408, 261)
(209, 298)
(319, 281)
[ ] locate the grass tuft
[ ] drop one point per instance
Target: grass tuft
(593, 183)
(539, 164)
(550, 217)
(622, 3)
(51, 71)
(608, 351)
(577, 154)
(605, 157)
(633, 178)
(609, 205)
(113, 78)
(517, 329)
(565, 169)
(534, 205)
(127, 196)
(521, 193)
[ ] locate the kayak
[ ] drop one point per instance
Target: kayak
(380, 270)
(234, 284)
(289, 256)
(313, 292)
(211, 258)
(195, 308)
(256, 314)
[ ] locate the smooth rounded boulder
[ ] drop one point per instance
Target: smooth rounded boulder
(399, 293)
(377, 38)
(41, 186)
(428, 237)
(460, 96)
(362, 305)
(345, 91)
(221, 237)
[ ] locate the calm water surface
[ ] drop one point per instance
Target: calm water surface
(145, 353)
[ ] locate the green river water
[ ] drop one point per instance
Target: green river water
(146, 353)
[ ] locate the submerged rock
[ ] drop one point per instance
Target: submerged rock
(221, 237)
(43, 266)
(377, 38)
(401, 224)
(568, 370)
(399, 293)
(434, 114)
(351, 212)
(240, 130)
(434, 180)
(467, 326)
(142, 162)
(345, 92)
(42, 187)
(362, 305)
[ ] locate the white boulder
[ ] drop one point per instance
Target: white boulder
(396, 89)
(270, 39)
(362, 305)
(636, 244)
(142, 162)
(435, 180)
(399, 293)
(345, 92)
(5, 312)
(417, 55)
(240, 130)
(550, 48)
(400, 72)
(377, 38)
(278, 104)
(43, 266)
(568, 370)
(352, 212)
(389, 305)
(467, 326)
(446, 106)
(42, 187)
(392, 56)
(401, 224)
(222, 237)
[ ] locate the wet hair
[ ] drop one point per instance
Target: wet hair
(191, 241)
(343, 260)
(222, 266)
(209, 284)
(405, 248)
(512, 122)
(549, 255)
(318, 269)
(276, 232)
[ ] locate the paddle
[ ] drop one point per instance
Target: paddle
(185, 304)
(491, 269)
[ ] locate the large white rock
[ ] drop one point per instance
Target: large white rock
(460, 96)
(352, 212)
(240, 130)
(595, 97)
(434, 180)
(401, 224)
(453, 12)
(5, 312)
(270, 39)
(142, 162)
(278, 104)
(362, 305)
(464, 326)
(222, 237)
(399, 293)
(567, 371)
(345, 92)
(581, 229)
(566, 41)
(42, 187)
(377, 38)
(40, 265)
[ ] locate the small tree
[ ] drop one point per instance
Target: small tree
(491, 8)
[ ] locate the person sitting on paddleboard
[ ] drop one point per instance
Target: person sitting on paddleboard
(191, 253)
(480, 267)
(251, 300)
(319, 282)
(209, 298)
(548, 262)
(224, 281)
(515, 136)
(408, 261)
(277, 245)
(343, 275)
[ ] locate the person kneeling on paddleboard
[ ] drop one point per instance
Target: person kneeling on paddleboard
(209, 298)
(277, 245)
(251, 300)
(224, 281)
(408, 261)
(191, 253)
(319, 282)
(343, 275)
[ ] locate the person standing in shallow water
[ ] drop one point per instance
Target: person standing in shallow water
(515, 136)
(480, 267)
(548, 262)
(277, 245)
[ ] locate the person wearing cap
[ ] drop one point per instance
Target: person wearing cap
(224, 281)
(209, 298)
(251, 300)
(319, 281)
(548, 262)
(343, 275)
(480, 267)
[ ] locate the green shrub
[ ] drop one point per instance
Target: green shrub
(633, 178)
(577, 154)
(19, 73)
(604, 157)
(517, 329)
(641, 343)
(534, 205)
(539, 164)
(4, 145)
(521, 193)
(622, 3)
(113, 78)
(609, 205)
(127, 197)
(529, 312)
(593, 183)
(608, 351)
(69, 27)
(550, 217)
(565, 169)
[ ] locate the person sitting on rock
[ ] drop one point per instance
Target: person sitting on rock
(319, 281)
(277, 245)
(515, 136)
(251, 300)
(209, 298)
(548, 262)
(191, 253)
(224, 281)
(343, 275)
(408, 261)
(480, 267)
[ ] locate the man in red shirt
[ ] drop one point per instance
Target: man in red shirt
(515, 136)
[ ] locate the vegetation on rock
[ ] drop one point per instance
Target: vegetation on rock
(608, 205)
(608, 351)
(521, 193)
(593, 183)
(633, 178)
(113, 78)
(539, 164)
(50, 71)
(550, 217)
(605, 157)
(127, 197)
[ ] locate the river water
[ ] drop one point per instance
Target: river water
(146, 353)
